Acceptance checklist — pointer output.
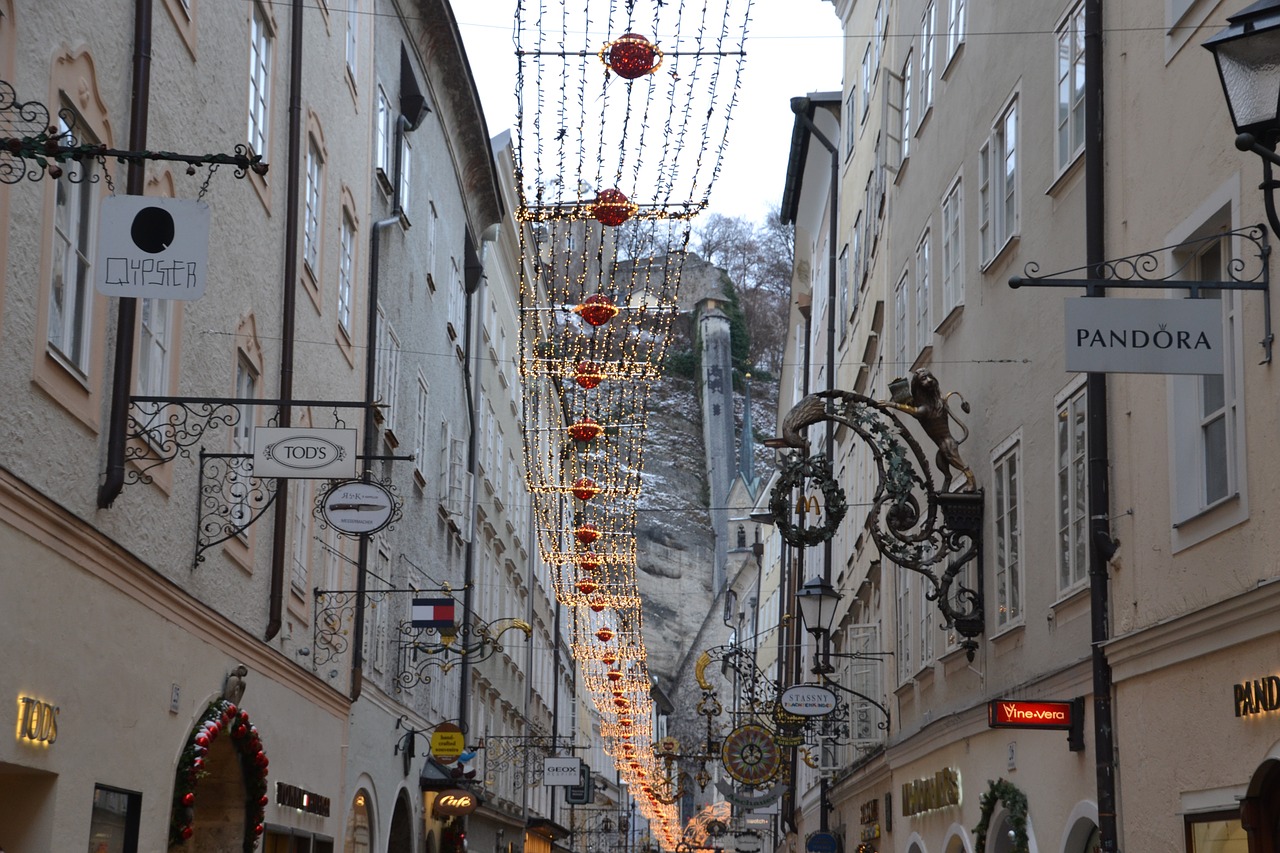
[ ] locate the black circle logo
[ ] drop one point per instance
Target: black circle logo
(152, 230)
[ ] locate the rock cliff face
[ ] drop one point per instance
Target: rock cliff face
(675, 542)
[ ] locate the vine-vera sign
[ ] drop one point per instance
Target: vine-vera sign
(1017, 714)
(1144, 335)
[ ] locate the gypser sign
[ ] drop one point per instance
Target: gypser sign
(937, 792)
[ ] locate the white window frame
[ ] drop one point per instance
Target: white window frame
(842, 272)
(866, 83)
(901, 343)
(74, 232)
(1006, 541)
(1069, 135)
(242, 442)
(923, 294)
(261, 45)
(155, 346)
(421, 423)
(953, 247)
(382, 140)
(1071, 487)
(299, 576)
(387, 371)
(956, 11)
(850, 126)
(311, 206)
(928, 50)
(998, 184)
(404, 182)
(353, 38)
(906, 107)
(346, 270)
(904, 619)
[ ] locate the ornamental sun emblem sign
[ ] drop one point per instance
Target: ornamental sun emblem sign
(751, 756)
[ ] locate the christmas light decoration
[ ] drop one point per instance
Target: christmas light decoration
(597, 309)
(632, 56)
(612, 208)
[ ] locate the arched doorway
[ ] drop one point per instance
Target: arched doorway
(218, 824)
(359, 826)
(1260, 809)
(401, 840)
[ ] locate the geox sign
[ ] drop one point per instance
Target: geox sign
(1144, 335)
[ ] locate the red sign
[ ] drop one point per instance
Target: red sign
(1017, 714)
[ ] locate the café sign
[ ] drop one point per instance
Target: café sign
(1144, 335)
(455, 802)
(808, 700)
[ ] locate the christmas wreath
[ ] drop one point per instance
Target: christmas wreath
(1003, 791)
(816, 472)
(221, 716)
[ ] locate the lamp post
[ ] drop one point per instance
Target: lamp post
(817, 600)
(1245, 53)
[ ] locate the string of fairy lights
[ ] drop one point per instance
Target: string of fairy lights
(621, 127)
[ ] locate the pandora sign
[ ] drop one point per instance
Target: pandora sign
(1144, 335)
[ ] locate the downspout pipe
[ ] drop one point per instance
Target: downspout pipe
(1101, 546)
(802, 107)
(127, 310)
(288, 321)
(474, 285)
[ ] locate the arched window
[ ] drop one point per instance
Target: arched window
(359, 825)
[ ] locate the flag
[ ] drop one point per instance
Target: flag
(432, 613)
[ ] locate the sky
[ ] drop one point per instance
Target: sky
(793, 48)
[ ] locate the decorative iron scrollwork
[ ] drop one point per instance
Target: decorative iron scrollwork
(524, 753)
(915, 525)
(231, 499)
(424, 649)
(31, 146)
(815, 472)
(163, 429)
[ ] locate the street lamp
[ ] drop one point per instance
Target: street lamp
(1246, 53)
(817, 600)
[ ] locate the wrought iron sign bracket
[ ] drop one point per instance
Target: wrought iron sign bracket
(1143, 272)
(32, 145)
(916, 525)
(423, 649)
(334, 612)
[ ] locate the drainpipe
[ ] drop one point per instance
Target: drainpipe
(288, 325)
(1101, 546)
(127, 310)
(474, 317)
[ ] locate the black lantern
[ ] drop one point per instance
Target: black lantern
(817, 600)
(1248, 56)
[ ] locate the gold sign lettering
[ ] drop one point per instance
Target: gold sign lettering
(806, 504)
(455, 802)
(926, 795)
(37, 721)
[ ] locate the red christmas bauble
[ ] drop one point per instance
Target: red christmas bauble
(588, 374)
(605, 635)
(585, 430)
(186, 833)
(586, 586)
(598, 607)
(263, 802)
(586, 533)
(597, 309)
(632, 56)
(609, 659)
(257, 830)
(202, 739)
(230, 710)
(612, 208)
(260, 759)
(188, 799)
(239, 731)
(588, 561)
(585, 488)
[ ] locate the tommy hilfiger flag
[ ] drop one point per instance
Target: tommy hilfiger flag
(432, 613)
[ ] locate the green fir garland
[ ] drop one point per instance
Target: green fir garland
(220, 716)
(1003, 791)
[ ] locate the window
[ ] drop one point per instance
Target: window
(238, 488)
(353, 35)
(924, 298)
(850, 126)
(905, 616)
(382, 138)
(155, 342)
(927, 49)
(1216, 832)
(906, 107)
(406, 163)
(901, 362)
(260, 46)
(866, 81)
(855, 236)
(878, 36)
(346, 271)
(926, 627)
(387, 371)
(1008, 534)
(1072, 488)
(302, 498)
(456, 304)
(998, 184)
(952, 250)
(114, 820)
(433, 222)
(1070, 138)
(70, 293)
(311, 208)
(379, 625)
(955, 26)
(843, 273)
(420, 429)
(1207, 426)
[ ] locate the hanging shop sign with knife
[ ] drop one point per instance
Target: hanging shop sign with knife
(356, 507)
